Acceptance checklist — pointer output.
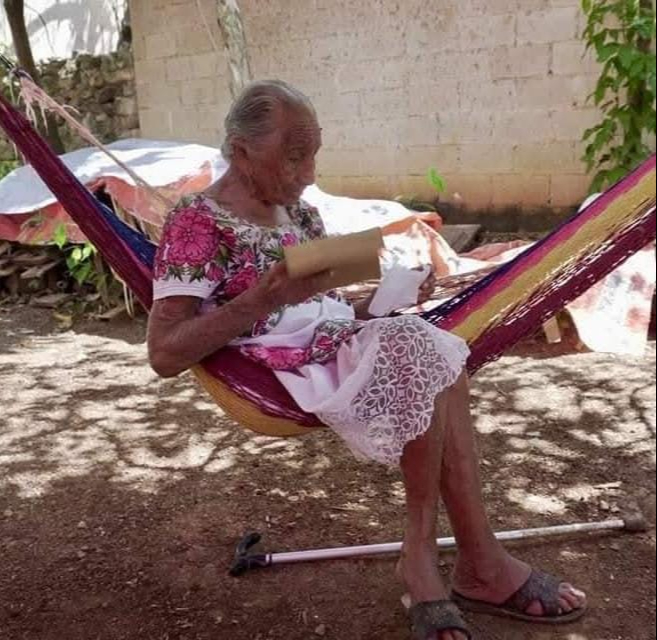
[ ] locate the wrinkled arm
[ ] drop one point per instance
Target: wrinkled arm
(179, 337)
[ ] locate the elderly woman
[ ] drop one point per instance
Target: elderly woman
(394, 389)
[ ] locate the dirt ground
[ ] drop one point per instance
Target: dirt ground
(122, 497)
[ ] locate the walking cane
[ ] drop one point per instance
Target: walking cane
(246, 560)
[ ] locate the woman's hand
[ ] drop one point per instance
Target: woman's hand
(427, 288)
(276, 289)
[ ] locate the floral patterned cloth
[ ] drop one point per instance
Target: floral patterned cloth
(207, 252)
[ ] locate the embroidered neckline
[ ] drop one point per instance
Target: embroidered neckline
(293, 212)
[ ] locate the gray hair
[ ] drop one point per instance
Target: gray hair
(251, 117)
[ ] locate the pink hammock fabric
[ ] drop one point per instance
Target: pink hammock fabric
(501, 329)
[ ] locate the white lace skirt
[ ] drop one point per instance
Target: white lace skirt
(379, 393)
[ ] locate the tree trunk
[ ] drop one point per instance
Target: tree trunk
(232, 29)
(16, 18)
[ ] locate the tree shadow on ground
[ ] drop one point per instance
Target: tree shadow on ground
(122, 497)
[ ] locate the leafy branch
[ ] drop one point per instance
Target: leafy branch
(622, 34)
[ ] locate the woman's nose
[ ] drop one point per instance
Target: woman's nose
(307, 174)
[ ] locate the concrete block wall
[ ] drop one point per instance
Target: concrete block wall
(181, 70)
(493, 93)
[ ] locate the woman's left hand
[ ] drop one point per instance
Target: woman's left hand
(427, 288)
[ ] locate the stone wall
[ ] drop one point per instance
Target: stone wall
(493, 93)
(101, 88)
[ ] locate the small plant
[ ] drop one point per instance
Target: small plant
(622, 33)
(79, 258)
(437, 181)
(86, 267)
(416, 204)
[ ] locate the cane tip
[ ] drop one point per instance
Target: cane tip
(636, 522)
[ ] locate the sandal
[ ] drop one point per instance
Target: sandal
(541, 587)
(435, 617)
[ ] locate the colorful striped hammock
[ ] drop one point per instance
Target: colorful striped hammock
(492, 315)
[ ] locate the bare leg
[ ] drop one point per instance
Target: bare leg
(484, 570)
(420, 464)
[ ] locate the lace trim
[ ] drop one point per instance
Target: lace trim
(413, 363)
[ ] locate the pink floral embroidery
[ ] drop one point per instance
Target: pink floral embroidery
(277, 358)
(329, 336)
(215, 273)
(325, 343)
(313, 222)
(289, 240)
(227, 237)
(192, 237)
(246, 256)
(242, 280)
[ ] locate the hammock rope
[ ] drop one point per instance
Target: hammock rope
(492, 314)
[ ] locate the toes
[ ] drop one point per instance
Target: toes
(575, 598)
(565, 605)
(572, 600)
(581, 597)
(535, 609)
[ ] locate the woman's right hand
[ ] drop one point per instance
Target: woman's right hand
(276, 289)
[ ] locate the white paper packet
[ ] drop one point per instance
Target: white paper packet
(399, 288)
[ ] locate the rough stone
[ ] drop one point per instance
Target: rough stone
(102, 91)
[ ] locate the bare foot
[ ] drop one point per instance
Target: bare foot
(495, 580)
(418, 571)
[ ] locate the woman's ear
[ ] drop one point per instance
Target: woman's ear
(242, 161)
(240, 154)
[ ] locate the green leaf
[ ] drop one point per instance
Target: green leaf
(197, 274)
(604, 85)
(59, 236)
(81, 274)
(436, 180)
(625, 118)
(87, 251)
(607, 51)
(592, 131)
(616, 174)
(626, 56)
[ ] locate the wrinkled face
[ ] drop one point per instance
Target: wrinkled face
(283, 165)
